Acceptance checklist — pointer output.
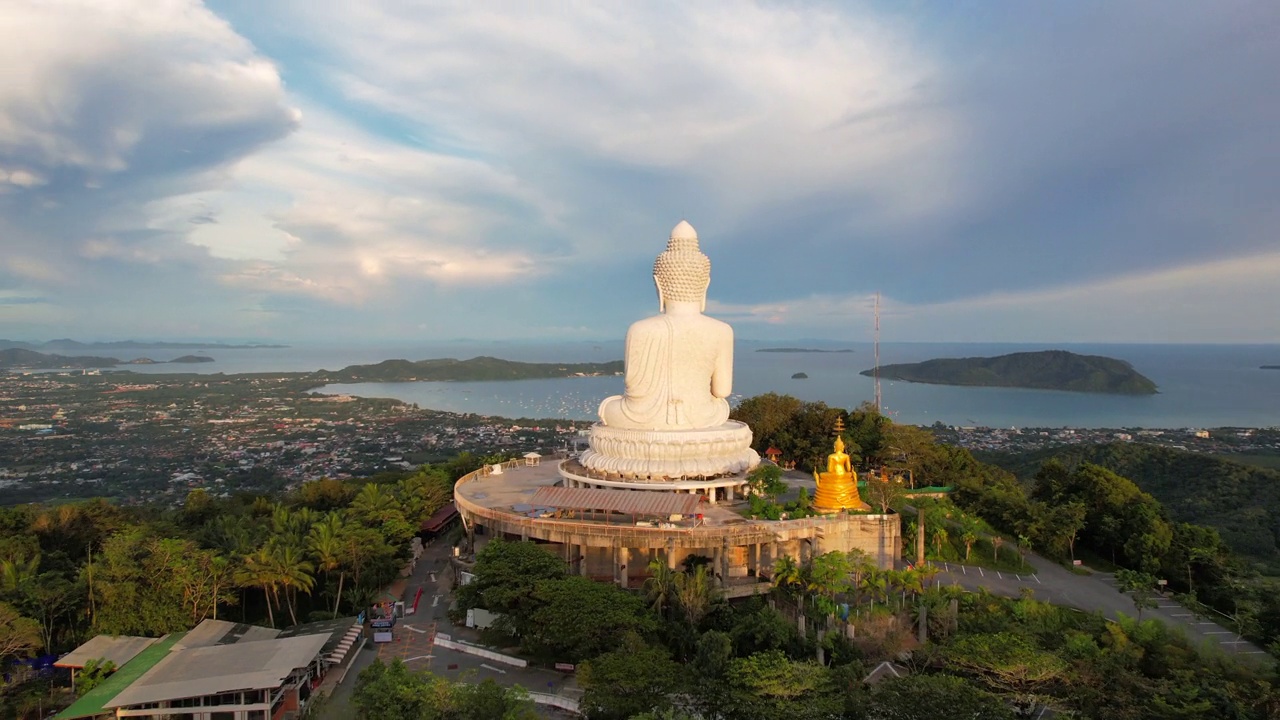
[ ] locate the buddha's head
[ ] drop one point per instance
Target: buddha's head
(839, 444)
(681, 272)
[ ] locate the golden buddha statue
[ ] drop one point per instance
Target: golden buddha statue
(838, 486)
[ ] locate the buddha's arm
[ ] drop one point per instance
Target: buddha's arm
(722, 375)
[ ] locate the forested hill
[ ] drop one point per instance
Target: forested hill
(1045, 370)
(1242, 502)
(21, 358)
(475, 369)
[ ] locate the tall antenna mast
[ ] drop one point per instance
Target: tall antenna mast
(879, 405)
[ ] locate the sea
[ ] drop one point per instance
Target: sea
(1201, 386)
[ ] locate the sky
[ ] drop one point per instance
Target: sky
(387, 170)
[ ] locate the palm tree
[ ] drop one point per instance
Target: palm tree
(969, 534)
(293, 573)
(258, 570)
(326, 544)
(221, 573)
(17, 571)
(911, 581)
(940, 539)
(231, 534)
(373, 503)
(659, 585)
(875, 583)
(786, 573)
(695, 594)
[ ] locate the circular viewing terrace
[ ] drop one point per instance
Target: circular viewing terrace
(600, 529)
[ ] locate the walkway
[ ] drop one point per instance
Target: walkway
(1095, 593)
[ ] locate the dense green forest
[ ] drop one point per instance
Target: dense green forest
(70, 572)
(1240, 501)
(1046, 370)
(679, 651)
(1060, 509)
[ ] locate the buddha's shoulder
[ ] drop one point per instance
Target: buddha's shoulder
(664, 321)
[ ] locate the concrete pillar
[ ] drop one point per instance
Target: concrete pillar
(717, 578)
(582, 560)
(725, 558)
(524, 534)
(728, 493)
(754, 559)
(624, 558)
(711, 496)
(671, 554)
(920, 538)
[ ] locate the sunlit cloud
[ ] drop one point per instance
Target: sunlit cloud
(1234, 298)
(437, 167)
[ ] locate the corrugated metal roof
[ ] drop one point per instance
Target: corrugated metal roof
(220, 632)
(198, 671)
(119, 649)
(92, 703)
(628, 502)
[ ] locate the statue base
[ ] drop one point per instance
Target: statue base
(670, 455)
(836, 493)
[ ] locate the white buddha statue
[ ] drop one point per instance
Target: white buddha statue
(672, 421)
(679, 364)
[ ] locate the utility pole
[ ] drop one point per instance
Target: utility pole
(876, 374)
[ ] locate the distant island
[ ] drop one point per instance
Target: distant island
(1046, 370)
(1270, 367)
(800, 376)
(476, 369)
(66, 345)
(32, 360)
(21, 358)
(801, 350)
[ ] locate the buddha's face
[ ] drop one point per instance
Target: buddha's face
(839, 444)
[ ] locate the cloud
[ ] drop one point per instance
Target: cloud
(515, 167)
(1231, 301)
(120, 105)
(160, 85)
(739, 105)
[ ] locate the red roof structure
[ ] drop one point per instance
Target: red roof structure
(440, 518)
(627, 502)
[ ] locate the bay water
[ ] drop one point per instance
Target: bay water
(1201, 386)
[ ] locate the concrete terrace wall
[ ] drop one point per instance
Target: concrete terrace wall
(877, 535)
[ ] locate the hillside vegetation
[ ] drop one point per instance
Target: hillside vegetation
(475, 369)
(21, 358)
(1242, 502)
(1046, 370)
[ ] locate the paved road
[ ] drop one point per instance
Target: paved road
(415, 635)
(1097, 592)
